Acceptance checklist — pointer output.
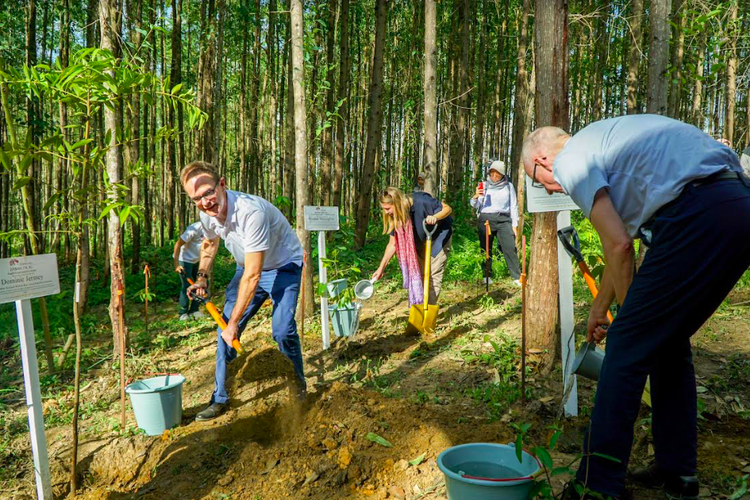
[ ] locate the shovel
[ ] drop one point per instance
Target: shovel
(423, 317)
(216, 315)
(572, 243)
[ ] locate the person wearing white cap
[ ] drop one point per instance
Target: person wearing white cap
(495, 201)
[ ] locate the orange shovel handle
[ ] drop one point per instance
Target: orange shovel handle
(216, 315)
(591, 282)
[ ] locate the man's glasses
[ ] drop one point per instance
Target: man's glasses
(535, 183)
(208, 194)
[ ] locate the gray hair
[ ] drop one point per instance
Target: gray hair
(541, 139)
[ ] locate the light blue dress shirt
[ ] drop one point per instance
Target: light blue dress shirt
(644, 161)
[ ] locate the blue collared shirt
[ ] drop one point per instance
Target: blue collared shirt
(644, 161)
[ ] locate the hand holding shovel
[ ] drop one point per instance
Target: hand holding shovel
(216, 315)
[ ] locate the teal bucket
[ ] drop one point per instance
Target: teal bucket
(345, 319)
(157, 402)
(511, 479)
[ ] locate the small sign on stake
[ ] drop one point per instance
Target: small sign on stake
(322, 219)
(23, 279)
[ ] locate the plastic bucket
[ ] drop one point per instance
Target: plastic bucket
(157, 402)
(364, 289)
(336, 287)
(588, 362)
(345, 319)
(513, 479)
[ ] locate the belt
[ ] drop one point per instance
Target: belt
(725, 175)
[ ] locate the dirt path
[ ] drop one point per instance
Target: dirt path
(421, 394)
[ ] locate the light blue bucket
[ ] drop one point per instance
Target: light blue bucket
(345, 319)
(337, 287)
(513, 480)
(157, 402)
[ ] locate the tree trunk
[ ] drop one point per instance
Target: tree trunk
(551, 39)
(634, 57)
(657, 57)
(110, 36)
(175, 78)
(458, 141)
(300, 135)
(522, 96)
(133, 142)
(430, 97)
(678, 27)
(731, 72)
(326, 152)
(374, 126)
(343, 94)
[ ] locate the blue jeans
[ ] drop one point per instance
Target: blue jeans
(700, 249)
(186, 305)
(282, 285)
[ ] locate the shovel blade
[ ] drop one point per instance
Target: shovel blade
(421, 321)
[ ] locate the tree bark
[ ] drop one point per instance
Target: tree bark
(657, 57)
(343, 94)
(634, 56)
(374, 126)
(175, 78)
(110, 36)
(326, 147)
(430, 97)
(678, 51)
(522, 95)
(731, 72)
(300, 135)
(551, 40)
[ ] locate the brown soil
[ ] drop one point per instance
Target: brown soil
(415, 392)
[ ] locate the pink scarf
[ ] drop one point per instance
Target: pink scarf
(407, 259)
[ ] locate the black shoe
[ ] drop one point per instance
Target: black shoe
(210, 413)
(676, 487)
(575, 490)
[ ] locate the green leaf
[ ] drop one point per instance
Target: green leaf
(124, 215)
(543, 455)
(176, 88)
(519, 448)
(80, 143)
(377, 439)
(418, 460)
(560, 470)
(606, 457)
(553, 440)
(21, 182)
(5, 160)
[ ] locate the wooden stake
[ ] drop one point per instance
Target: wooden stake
(523, 318)
(147, 273)
(122, 357)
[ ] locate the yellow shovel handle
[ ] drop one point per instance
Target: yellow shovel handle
(427, 262)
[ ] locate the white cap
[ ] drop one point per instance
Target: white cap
(498, 166)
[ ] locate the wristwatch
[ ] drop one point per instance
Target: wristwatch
(202, 274)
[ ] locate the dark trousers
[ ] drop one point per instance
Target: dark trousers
(699, 250)
(501, 227)
(282, 285)
(191, 271)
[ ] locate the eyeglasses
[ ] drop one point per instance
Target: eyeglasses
(208, 194)
(535, 183)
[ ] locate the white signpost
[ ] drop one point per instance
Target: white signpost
(537, 200)
(322, 219)
(23, 279)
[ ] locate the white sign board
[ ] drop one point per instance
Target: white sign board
(29, 277)
(321, 218)
(537, 200)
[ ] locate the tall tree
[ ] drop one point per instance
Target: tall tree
(430, 96)
(678, 50)
(326, 147)
(522, 96)
(343, 94)
(731, 91)
(551, 36)
(634, 55)
(110, 35)
(374, 126)
(657, 57)
(175, 78)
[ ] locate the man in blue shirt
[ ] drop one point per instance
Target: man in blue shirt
(638, 176)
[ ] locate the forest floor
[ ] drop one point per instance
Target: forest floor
(422, 394)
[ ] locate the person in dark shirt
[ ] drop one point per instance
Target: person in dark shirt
(402, 220)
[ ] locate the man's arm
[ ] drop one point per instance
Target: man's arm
(245, 293)
(617, 245)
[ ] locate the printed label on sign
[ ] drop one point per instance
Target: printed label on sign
(28, 277)
(537, 200)
(321, 218)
